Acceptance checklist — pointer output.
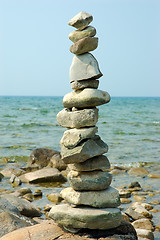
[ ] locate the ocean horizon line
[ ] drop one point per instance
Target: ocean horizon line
(63, 96)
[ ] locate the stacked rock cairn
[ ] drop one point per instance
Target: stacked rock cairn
(91, 202)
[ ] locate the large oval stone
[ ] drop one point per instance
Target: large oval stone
(76, 85)
(87, 97)
(84, 67)
(96, 180)
(84, 151)
(99, 199)
(81, 20)
(87, 32)
(77, 119)
(96, 163)
(84, 45)
(86, 217)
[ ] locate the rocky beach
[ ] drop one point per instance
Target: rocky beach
(76, 192)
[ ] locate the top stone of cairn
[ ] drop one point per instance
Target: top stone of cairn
(81, 20)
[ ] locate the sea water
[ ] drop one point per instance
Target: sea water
(129, 125)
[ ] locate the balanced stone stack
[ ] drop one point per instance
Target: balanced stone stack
(91, 202)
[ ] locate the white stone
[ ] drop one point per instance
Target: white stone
(81, 20)
(99, 199)
(84, 67)
(87, 97)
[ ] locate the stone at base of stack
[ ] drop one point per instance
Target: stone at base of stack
(91, 202)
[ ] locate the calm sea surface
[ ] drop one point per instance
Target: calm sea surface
(130, 126)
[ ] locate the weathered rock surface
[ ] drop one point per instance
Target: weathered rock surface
(84, 45)
(145, 234)
(84, 67)
(87, 97)
(77, 119)
(43, 175)
(8, 171)
(145, 205)
(40, 157)
(138, 213)
(95, 180)
(81, 20)
(138, 171)
(57, 162)
(143, 223)
(84, 151)
(50, 230)
(98, 199)
(73, 137)
(17, 205)
(86, 217)
(93, 83)
(10, 222)
(87, 32)
(96, 163)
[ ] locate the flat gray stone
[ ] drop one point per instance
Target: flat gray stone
(84, 151)
(84, 67)
(96, 163)
(84, 45)
(99, 199)
(77, 119)
(87, 97)
(76, 85)
(73, 137)
(86, 217)
(43, 175)
(87, 32)
(81, 20)
(84, 181)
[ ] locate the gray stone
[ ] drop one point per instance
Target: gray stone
(77, 119)
(99, 199)
(96, 163)
(84, 151)
(86, 217)
(84, 181)
(92, 83)
(43, 175)
(72, 137)
(87, 32)
(84, 67)
(57, 162)
(84, 45)
(145, 234)
(7, 172)
(87, 97)
(81, 20)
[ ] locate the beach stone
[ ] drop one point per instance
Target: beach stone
(96, 163)
(84, 45)
(7, 172)
(134, 214)
(57, 162)
(124, 193)
(152, 175)
(28, 196)
(87, 32)
(23, 206)
(92, 83)
(40, 157)
(86, 217)
(143, 211)
(125, 200)
(145, 205)
(145, 234)
(84, 67)
(96, 180)
(85, 150)
(138, 171)
(143, 223)
(81, 20)
(87, 97)
(134, 184)
(117, 171)
(43, 175)
(77, 119)
(139, 198)
(22, 191)
(10, 222)
(54, 197)
(108, 198)
(37, 193)
(72, 137)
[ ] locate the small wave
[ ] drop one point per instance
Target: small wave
(27, 109)
(150, 140)
(38, 125)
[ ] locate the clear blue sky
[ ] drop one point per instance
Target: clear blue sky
(34, 46)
